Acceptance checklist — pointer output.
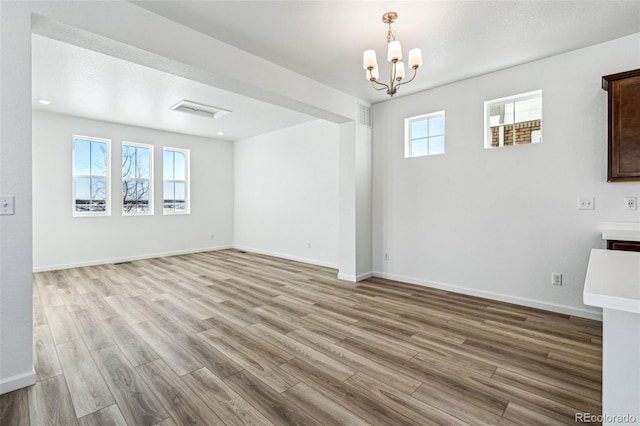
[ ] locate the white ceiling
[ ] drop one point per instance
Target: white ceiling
(323, 40)
(89, 84)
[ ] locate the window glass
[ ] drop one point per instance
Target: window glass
(175, 172)
(514, 120)
(90, 176)
(425, 135)
(137, 188)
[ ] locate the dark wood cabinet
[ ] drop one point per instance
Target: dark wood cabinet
(624, 125)
(623, 245)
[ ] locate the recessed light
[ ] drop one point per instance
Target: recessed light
(221, 133)
(44, 101)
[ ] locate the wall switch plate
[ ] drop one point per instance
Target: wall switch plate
(386, 256)
(556, 278)
(7, 205)
(630, 203)
(586, 203)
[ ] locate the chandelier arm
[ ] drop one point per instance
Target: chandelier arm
(373, 80)
(415, 71)
(384, 86)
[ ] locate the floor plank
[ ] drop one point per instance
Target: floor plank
(50, 403)
(14, 408)
(224, 401)
(110, 416)
(88, 390)
(46, 361)
(182, 403)
(136, 401)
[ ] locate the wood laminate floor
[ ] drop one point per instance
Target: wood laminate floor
(235, 338)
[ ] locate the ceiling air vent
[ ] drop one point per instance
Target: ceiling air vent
(364, 115)
(202, 110)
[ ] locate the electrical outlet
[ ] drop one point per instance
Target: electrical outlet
(386, 256)
(308, 245)
(630, 203)
(211, 236)
(7, 205)
(586, 203)
(556, 278)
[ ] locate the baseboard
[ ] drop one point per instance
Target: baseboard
(354, 278)
(126, 259)
(531, 303)
(18, 381)
(288, 257)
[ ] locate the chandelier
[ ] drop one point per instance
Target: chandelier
(394, 56)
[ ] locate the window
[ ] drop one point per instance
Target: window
(91, 157)
(175, 176)
(514, 120)
(137, 178)
(424, 135)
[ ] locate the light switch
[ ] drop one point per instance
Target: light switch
(7, 205)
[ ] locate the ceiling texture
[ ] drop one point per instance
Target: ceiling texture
(324, 40)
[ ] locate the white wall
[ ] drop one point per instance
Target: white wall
(286, 193)
(16, 360)
(61, 240)
(498, 222)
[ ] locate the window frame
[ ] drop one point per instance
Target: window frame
(107, 177)
(534, 94)
(150, 204)
(408, 140)
(187, 181)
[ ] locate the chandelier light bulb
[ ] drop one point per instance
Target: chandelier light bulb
(399, 70)
(394, 51)
(369, 59)
(415, 58)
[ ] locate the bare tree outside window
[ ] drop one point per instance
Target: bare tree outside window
(136, 178)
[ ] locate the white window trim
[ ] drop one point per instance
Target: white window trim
(520, 97)
(107, 211)
(151, 186)
(187, 172)
(407, 133)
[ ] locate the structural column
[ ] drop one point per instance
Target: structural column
(355, 261)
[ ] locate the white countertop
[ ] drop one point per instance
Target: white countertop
(621, 231)
(620, 235)
(613, 280)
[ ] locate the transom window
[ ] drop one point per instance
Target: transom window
(137, 178)
(175, 175)
(513, 120)
(424, 135)
(91, 159)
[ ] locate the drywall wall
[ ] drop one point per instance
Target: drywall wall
(355, 202)
(16, 359)
(286, 193)
(498, 222)
(61, 240)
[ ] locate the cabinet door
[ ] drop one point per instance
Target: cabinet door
(623, 245)
(624, 130)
